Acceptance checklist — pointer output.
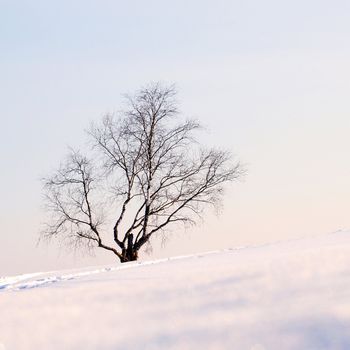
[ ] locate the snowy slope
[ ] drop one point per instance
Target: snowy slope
(291, 295)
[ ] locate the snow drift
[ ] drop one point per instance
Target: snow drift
(290, 295)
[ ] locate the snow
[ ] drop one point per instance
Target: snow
(287, 295)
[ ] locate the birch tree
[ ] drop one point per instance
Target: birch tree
(145, 174)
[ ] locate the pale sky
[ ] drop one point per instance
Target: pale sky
(269, 79)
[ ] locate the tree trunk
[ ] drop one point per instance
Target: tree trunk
(130, 253)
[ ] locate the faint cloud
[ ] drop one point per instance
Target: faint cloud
(257, 347)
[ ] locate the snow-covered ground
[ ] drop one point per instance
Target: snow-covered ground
(290, 295)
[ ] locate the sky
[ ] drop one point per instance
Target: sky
(269, 80)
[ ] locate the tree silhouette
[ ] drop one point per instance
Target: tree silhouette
(146, 173)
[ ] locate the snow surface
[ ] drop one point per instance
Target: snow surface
(290, 295)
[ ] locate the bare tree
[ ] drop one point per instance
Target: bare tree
(147, 174)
